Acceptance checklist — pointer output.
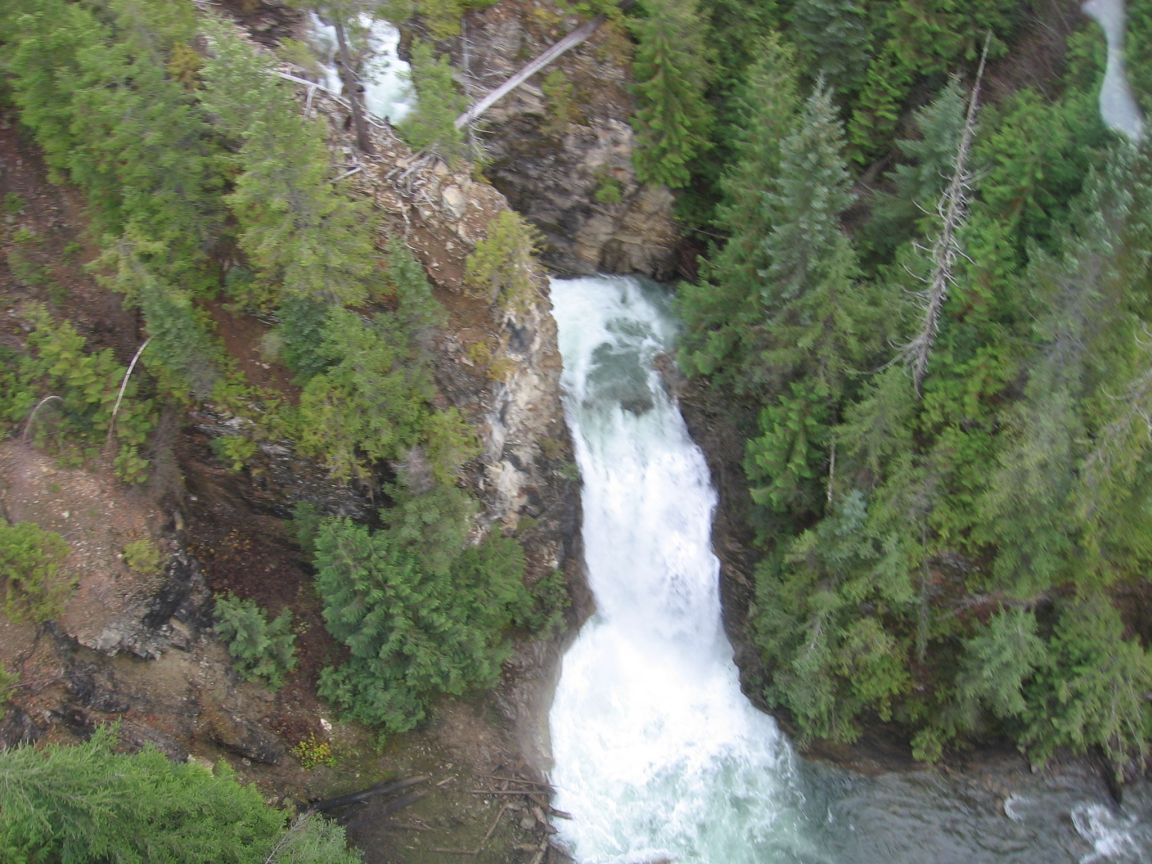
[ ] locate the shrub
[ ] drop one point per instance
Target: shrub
(503, 263)
(7, 685)
(312, 752)
(30, 560)
(143, 556)
(260, 649)
(413, 631)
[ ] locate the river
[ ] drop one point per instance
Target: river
(657, 755)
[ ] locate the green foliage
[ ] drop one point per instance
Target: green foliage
(723, 313)
(823, 615)
(303, 238)
(261, 650)
(185, 357)
(8, 682)
(106, 114)
(370, 403)
(918, 549)
(431, 126)
(91, 805)
(413, 631)
(1093, 692)
(559, 94)
(833, 39)
(609, 190)
(312, 752)
(83, 387)
(996, 663)
(671, 71)
(144, 556)
(502, 268)
(30, 560)
(917, 183)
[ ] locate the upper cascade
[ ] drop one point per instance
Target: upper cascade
(1118, 108)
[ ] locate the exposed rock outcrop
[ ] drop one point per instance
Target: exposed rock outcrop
(560, 147)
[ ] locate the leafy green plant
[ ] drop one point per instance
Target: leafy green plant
(14, 204)
(261, 649)
(30, 559)
(503, 265)
(560, 97)
(144, 557)
(83, 386)
(235, 451)
(609, 190)
(8, 682)
(313, 752)
(431, 126)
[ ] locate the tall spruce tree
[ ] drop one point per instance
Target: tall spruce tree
(671, 71)
(722, 312)
(816, 329)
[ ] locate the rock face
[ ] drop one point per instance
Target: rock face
(560, 146)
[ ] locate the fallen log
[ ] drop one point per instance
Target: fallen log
(329, 804)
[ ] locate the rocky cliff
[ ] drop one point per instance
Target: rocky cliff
(560, 147)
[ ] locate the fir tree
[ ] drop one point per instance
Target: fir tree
(432, 125)
(671, 70)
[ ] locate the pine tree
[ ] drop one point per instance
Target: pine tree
(722, 313)
(834, 40)
(432, 125)
(412, 632)
(89, 804)
(304, 238)
(671, 71)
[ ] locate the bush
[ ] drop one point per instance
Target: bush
(413, 631)
(261, 650)
(502, 267)
(311, 752)
(30, 560)
(8, 683)
(58, 363)
(143, 556)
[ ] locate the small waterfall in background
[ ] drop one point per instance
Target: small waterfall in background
(1118, 108)
(387, 88)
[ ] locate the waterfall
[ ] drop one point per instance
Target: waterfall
(658, 755)
(387, 89)
(1118, 108)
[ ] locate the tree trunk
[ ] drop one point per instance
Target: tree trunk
(351, 90)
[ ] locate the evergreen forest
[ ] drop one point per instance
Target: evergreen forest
(917, 301)
(923, 311)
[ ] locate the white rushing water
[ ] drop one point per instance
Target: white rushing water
(1118, 108)
(387, 86)
(658, 756)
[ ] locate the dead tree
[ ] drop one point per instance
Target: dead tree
(352, 88)
(953, 212)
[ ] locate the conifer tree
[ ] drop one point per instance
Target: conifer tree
(302, 235)
(432, 125)
(834, 39)
(89, 804)
(815, 330)
(671, 70)
(722, 313)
